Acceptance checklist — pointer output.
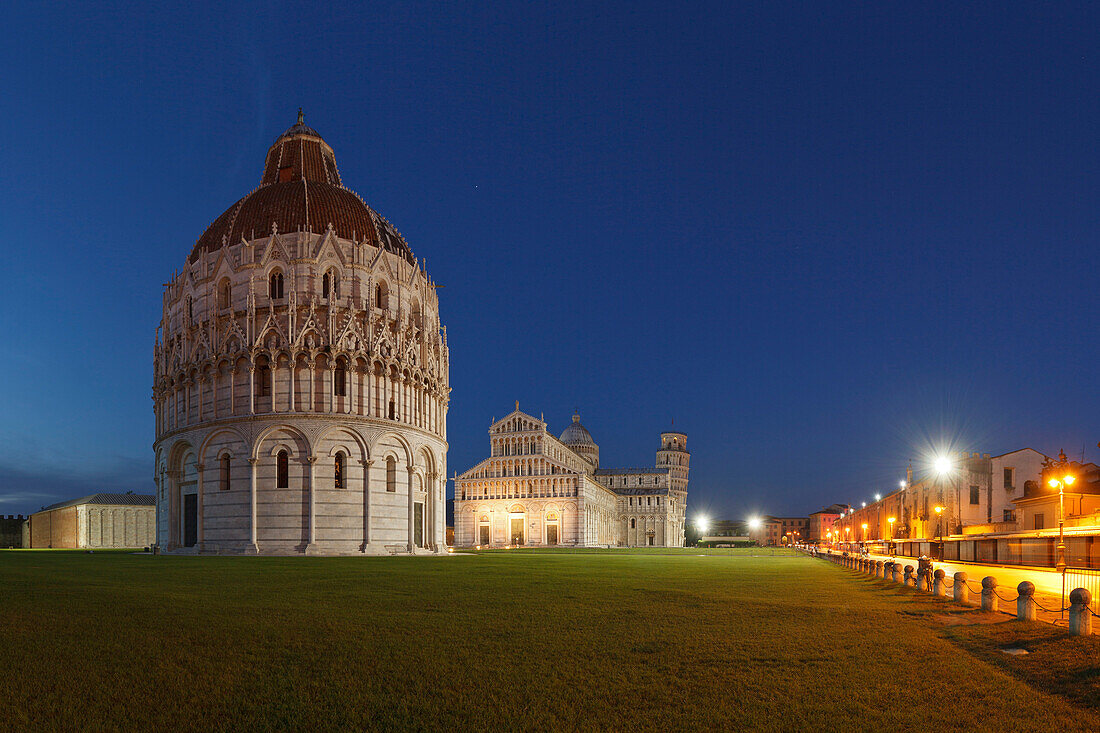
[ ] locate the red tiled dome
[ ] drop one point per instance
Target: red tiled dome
(300, 190)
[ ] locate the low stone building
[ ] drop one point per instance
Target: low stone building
(99, 520)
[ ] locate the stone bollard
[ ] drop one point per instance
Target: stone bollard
(962, 593)
(888, 571)
(1080, 618)
(895, 572)
(908, 579)
(989, 597)
(879, 571)
(939, 587)
(922, 578)
(1025, 604)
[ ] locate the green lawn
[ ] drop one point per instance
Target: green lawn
(513, 640)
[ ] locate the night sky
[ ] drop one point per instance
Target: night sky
(825, 238)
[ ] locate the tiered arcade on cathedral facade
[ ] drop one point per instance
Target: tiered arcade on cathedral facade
(301, 376)
(535, 489)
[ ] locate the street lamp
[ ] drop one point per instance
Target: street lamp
(939, 533)
(944, 467)
(865, 532)
(1061, 484)
(891, 520)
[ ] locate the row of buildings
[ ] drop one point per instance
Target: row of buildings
(979, 507)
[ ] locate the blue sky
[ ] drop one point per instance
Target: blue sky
(825, 238)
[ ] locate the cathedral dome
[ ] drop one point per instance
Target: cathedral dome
(577, 434)
(301, 190)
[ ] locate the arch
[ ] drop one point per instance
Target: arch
(275, 284)
(290, 429)
(225, 293)
(205, 445)
(381, 294)
(374, 448)
(334, 432)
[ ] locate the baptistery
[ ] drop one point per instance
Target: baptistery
(301, 376)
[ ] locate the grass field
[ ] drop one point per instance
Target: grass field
(514, 641)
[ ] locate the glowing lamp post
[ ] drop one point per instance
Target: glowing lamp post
(865, 531)
(1061, 484)
(891, 520)
(939, 511)
(754, 526)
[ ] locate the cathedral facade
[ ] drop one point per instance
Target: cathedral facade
(300, 376)
(535, 489)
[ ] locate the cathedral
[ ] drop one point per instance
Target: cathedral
(300, 376)
(536, 489)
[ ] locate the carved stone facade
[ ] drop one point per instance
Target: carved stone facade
(536, 489)
(301, 376)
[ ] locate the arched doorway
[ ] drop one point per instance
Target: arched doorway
(483, 534)
(553, 528)
(517, 526)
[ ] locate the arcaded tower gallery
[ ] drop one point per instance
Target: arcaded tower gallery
(301, 379)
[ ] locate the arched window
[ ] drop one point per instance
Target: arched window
(339, 379)
(225, 293)
(282, 470)
(263, 381)
(330, 284)
(275, 286)
(380, 295)
(224, 470)
(415, 310)
(339, 470)
(391, 474)
(190, 309)
(393, 410)
(632, 523)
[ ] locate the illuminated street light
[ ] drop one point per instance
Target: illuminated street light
(891, 520)
(754, 523)
(702, 523)
(1060, 484)
(943, 465)
(878, 497)
(865, 531)
(902, 483)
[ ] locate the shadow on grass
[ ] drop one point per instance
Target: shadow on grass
(1056, 663)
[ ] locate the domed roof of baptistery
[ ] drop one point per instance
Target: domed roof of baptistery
(301, 190)
(577, 434)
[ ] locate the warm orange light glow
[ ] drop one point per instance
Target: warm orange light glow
(939, 510)
(891, 520)
(1069, 480)
(1053, 483)
(865, 525)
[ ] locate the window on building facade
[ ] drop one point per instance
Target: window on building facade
(224, 473)
(391, 474)
(632, 524)
(338, 469)
(225, 294)
(275, 286)
(1009, 482)
(339, 378)
(380, 295)
(282, 470)
(263, 381)
(1038, 521)
(975, 495)
(1009, 515)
